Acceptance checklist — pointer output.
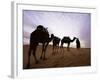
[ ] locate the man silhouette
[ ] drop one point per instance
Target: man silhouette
(77, 43)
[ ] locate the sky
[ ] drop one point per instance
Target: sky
(61, 24)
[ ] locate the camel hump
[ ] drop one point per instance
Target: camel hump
(57, 38)
(66, 38)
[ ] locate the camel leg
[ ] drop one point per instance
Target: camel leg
(34, 53)
(29, 54)
(45, 48)
(42, 51)
(62, 48)
(68, 47)
(57, 47)
(53, 49)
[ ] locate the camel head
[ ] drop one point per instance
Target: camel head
(40, 27)
(52, 36)
(74, 38)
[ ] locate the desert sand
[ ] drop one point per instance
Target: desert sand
(62, 58)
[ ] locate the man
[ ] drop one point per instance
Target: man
(77, 43)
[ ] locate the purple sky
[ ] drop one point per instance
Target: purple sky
(60, 24)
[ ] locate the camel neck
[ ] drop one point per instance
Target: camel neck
(73, 40)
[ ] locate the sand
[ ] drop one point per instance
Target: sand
(62, 58)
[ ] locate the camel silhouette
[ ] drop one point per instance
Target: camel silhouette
(66, 39)
(78, 43)
(56, 41)
(40, 35)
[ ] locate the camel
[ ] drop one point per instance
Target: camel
(66, 39)
(56, 41)
(40, 35)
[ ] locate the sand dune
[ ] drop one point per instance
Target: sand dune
(72, 58)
